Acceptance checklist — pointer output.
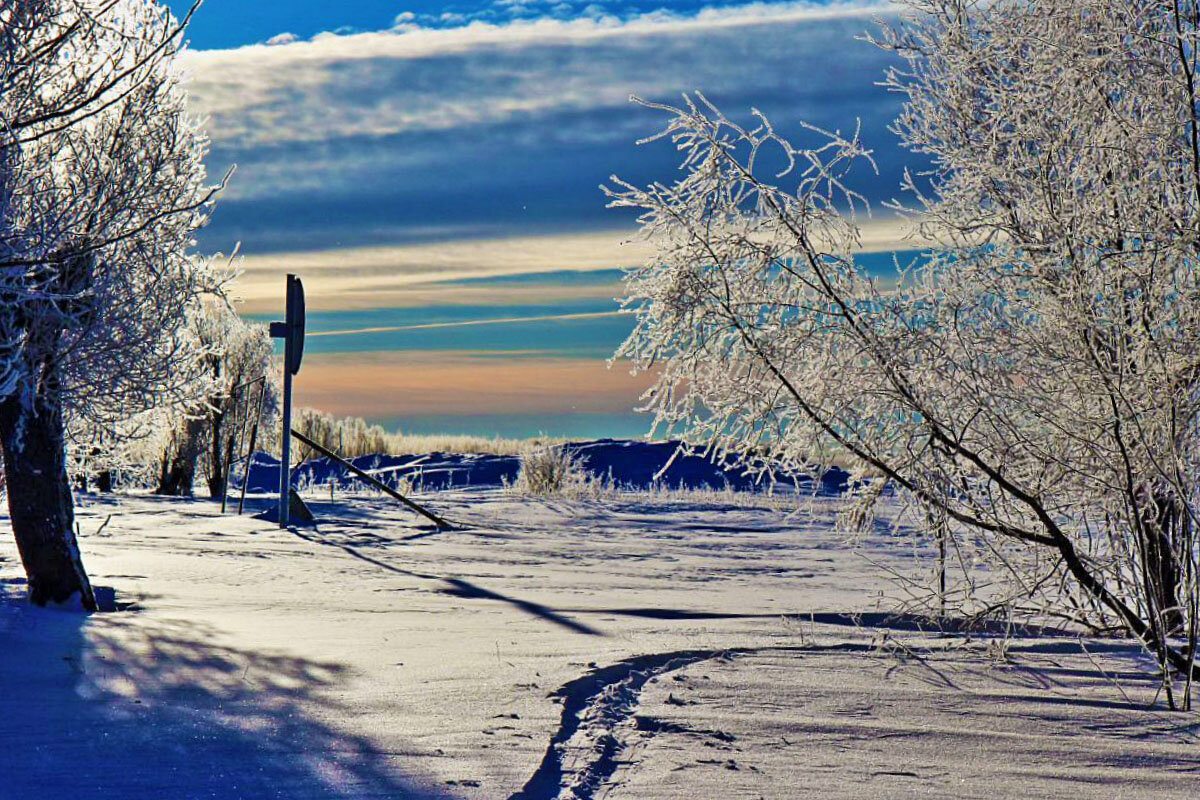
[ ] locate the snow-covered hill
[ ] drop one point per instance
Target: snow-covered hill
(620, 462)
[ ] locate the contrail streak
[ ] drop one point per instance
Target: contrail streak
(465, 323)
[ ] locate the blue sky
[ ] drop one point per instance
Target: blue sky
(390, 151)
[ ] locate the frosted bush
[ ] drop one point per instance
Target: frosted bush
(553, 471)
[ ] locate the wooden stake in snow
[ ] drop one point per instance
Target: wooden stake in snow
(249, 420)
(291, 330)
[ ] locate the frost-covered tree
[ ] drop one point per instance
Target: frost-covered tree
(347, 436)
(237, 354)
(102, 457)
(246, 352)
(1033, 384)
(101, 188)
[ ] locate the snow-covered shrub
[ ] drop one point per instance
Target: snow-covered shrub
(553, 471)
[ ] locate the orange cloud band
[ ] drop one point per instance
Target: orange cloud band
(426, 383)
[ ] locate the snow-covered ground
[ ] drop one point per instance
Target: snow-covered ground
(623, 647)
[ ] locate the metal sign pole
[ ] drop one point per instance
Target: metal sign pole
(292, 333)
(285, 463)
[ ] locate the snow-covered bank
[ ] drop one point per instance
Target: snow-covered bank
(620, 462)
(627, 648)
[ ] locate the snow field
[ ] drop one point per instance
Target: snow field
(636, 647)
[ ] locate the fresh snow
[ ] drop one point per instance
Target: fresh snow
(631, 646)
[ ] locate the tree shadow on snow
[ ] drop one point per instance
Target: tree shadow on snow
(115, 705)
(457, 587)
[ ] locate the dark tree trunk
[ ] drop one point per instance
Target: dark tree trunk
(1162, 521)
(216, 474)
(103, 478)
(179, 470)
(39, 498)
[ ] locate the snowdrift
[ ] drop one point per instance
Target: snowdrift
(624, 463)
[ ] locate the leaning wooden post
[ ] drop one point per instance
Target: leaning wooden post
(234, 439)
(262, 394)
(291, 330)
(378, 484)
(239, 438)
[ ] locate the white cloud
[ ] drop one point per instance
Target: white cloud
(252, 92)
(281, 39)
(367, 277)
(370, 138)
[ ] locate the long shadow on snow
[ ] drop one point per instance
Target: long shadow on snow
(113, 705)
(900, 621)
(459, 587)
(896, 621)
